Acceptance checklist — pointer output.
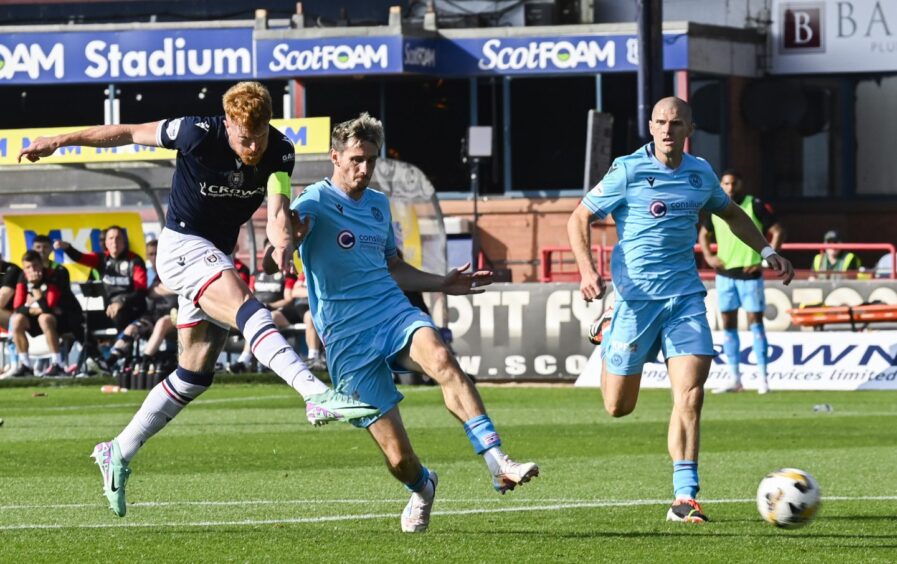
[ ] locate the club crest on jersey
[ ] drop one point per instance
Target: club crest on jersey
(694, 180)
(123, 267)
(378, 215)
(235, 179)
(345, 239)
(657, 208)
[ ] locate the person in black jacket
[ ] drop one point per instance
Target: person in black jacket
(123, 273)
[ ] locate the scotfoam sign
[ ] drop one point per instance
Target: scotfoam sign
(78, 57)
(308, 57)
(574, 54)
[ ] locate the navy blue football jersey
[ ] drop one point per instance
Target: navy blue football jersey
(213, 193)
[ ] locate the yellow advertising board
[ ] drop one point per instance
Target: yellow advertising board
(82, 230)
(309, 135)
(407, 232)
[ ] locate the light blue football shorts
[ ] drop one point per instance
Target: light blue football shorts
(745, 294)
(362, 365)
(640, 329)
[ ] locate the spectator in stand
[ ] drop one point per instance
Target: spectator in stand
(9, 277)
(34, 304)
(69, 315)
(830, 262)
(156, 323)
(123, 273)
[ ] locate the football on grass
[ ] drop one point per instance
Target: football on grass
(788, 498)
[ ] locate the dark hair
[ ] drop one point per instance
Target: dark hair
(731, 172)
(123, 234)
(32, 256)
(152, 243)
(41, 239)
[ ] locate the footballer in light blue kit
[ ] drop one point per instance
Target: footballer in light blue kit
(369, 328)
(655, 196)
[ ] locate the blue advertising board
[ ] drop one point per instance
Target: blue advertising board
(126, 56)
(234, 54)
(550, 55)
(328, 56)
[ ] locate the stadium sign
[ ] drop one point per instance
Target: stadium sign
(826, 36)
(309, 136)
(834, 360)
(125, 56)
(310, 57)
(537, 331)
(564, 54)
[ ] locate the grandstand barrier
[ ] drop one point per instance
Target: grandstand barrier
(536, 332)
(559, 265)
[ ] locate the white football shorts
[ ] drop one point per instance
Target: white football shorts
(187, 264)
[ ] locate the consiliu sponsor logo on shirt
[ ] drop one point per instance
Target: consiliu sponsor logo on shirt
(540, 55)
(31, 60)
(325, 57)
(216, 191)
(420, 56)
(372, 240)
(173, 59)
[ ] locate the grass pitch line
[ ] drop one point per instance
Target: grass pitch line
(392, 515)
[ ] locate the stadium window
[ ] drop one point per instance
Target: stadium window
(548, 131)
(802, 142)
(876, 169)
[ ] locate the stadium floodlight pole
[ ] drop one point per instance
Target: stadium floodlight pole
(650, 68)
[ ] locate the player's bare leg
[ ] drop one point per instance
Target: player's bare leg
(688, 374)
(427, 353)
(620, 393)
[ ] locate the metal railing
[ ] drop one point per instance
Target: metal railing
(559, 265)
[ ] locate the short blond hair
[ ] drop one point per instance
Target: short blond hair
(363, 128)
(248, 104)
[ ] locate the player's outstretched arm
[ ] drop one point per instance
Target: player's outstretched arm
(591, 285)
(458, 281)
(743, 228)
(100, 136)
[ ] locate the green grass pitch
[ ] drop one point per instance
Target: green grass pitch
(241, 477)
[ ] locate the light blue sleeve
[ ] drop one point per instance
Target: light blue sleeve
(718, 199)
(609, 193)
(307, 204)
(389, 250)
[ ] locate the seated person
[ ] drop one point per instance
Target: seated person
(9, 277)
(71, 314)
(35, 305)
(156, 324)
(123, 273)
(828, 263)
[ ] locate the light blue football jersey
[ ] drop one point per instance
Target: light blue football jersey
(656, 211)
(345, 257)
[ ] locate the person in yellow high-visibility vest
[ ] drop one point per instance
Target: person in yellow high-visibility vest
(739, 278)
(828, 263)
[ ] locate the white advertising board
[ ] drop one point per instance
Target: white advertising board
(798, 360)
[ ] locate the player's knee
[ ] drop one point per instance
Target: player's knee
(47, 320)
(618, 409)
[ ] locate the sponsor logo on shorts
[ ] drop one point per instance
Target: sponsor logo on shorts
(345, 239)
(616, 360)
(694, 180)
(657, 208)
(378, 215)
(622, 346)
